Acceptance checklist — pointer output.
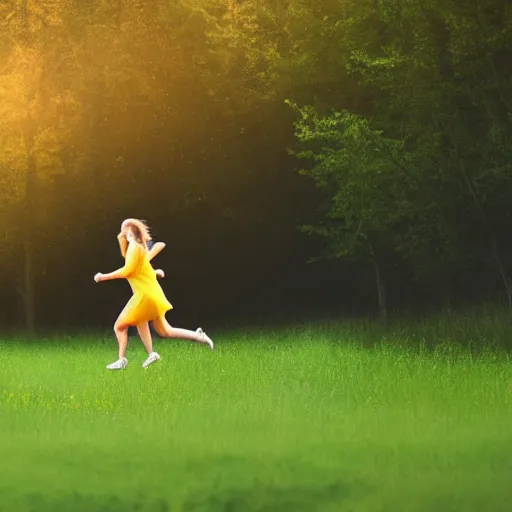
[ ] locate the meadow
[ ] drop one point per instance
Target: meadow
(338, 416)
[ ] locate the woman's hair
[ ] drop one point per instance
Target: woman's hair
(140, 230)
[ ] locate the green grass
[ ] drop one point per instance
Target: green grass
(345, 418)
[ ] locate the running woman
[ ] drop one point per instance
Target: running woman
(148, 303)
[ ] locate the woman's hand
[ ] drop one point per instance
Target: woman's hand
(98, 277)
(160, 273)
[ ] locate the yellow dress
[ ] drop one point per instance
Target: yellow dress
(148, 301)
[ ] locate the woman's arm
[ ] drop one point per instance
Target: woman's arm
(123, 243)
(133, 254)
(157, 248)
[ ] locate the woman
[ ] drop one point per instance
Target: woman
(148, 303)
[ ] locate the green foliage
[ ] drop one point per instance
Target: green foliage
(417, 157)
(371, 183)
(404, 119)
(31, 102)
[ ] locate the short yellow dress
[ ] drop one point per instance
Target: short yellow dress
(148, 301)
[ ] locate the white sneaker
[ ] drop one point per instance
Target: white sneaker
(151, 359)
(204, 337)
(120, 364)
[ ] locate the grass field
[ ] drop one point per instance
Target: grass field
(344, 417)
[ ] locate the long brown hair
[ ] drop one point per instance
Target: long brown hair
(140, 231)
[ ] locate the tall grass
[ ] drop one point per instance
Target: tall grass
(341, 416)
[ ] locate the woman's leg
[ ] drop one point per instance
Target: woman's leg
(147, 340)
(164, 329)
(121, 331)
(145, 336)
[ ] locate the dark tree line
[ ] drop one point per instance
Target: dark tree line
(199, 116)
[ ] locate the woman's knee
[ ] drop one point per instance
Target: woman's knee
(120, 326)
(160, 327)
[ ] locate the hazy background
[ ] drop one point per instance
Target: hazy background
(175, 112)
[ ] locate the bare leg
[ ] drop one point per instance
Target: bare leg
(164, 329)
(145, 336)
(121, 331)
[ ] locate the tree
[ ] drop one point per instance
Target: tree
(373, 207)
(442, 85)
(72, 73)
(431, 76)
(33, 128)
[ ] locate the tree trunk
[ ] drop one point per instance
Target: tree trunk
(490, 233)
(27, 289)
(29, 230)
(28, 292)
(381, 289)
(503, 274)
(381, 292)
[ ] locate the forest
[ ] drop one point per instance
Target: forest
(298, 157)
